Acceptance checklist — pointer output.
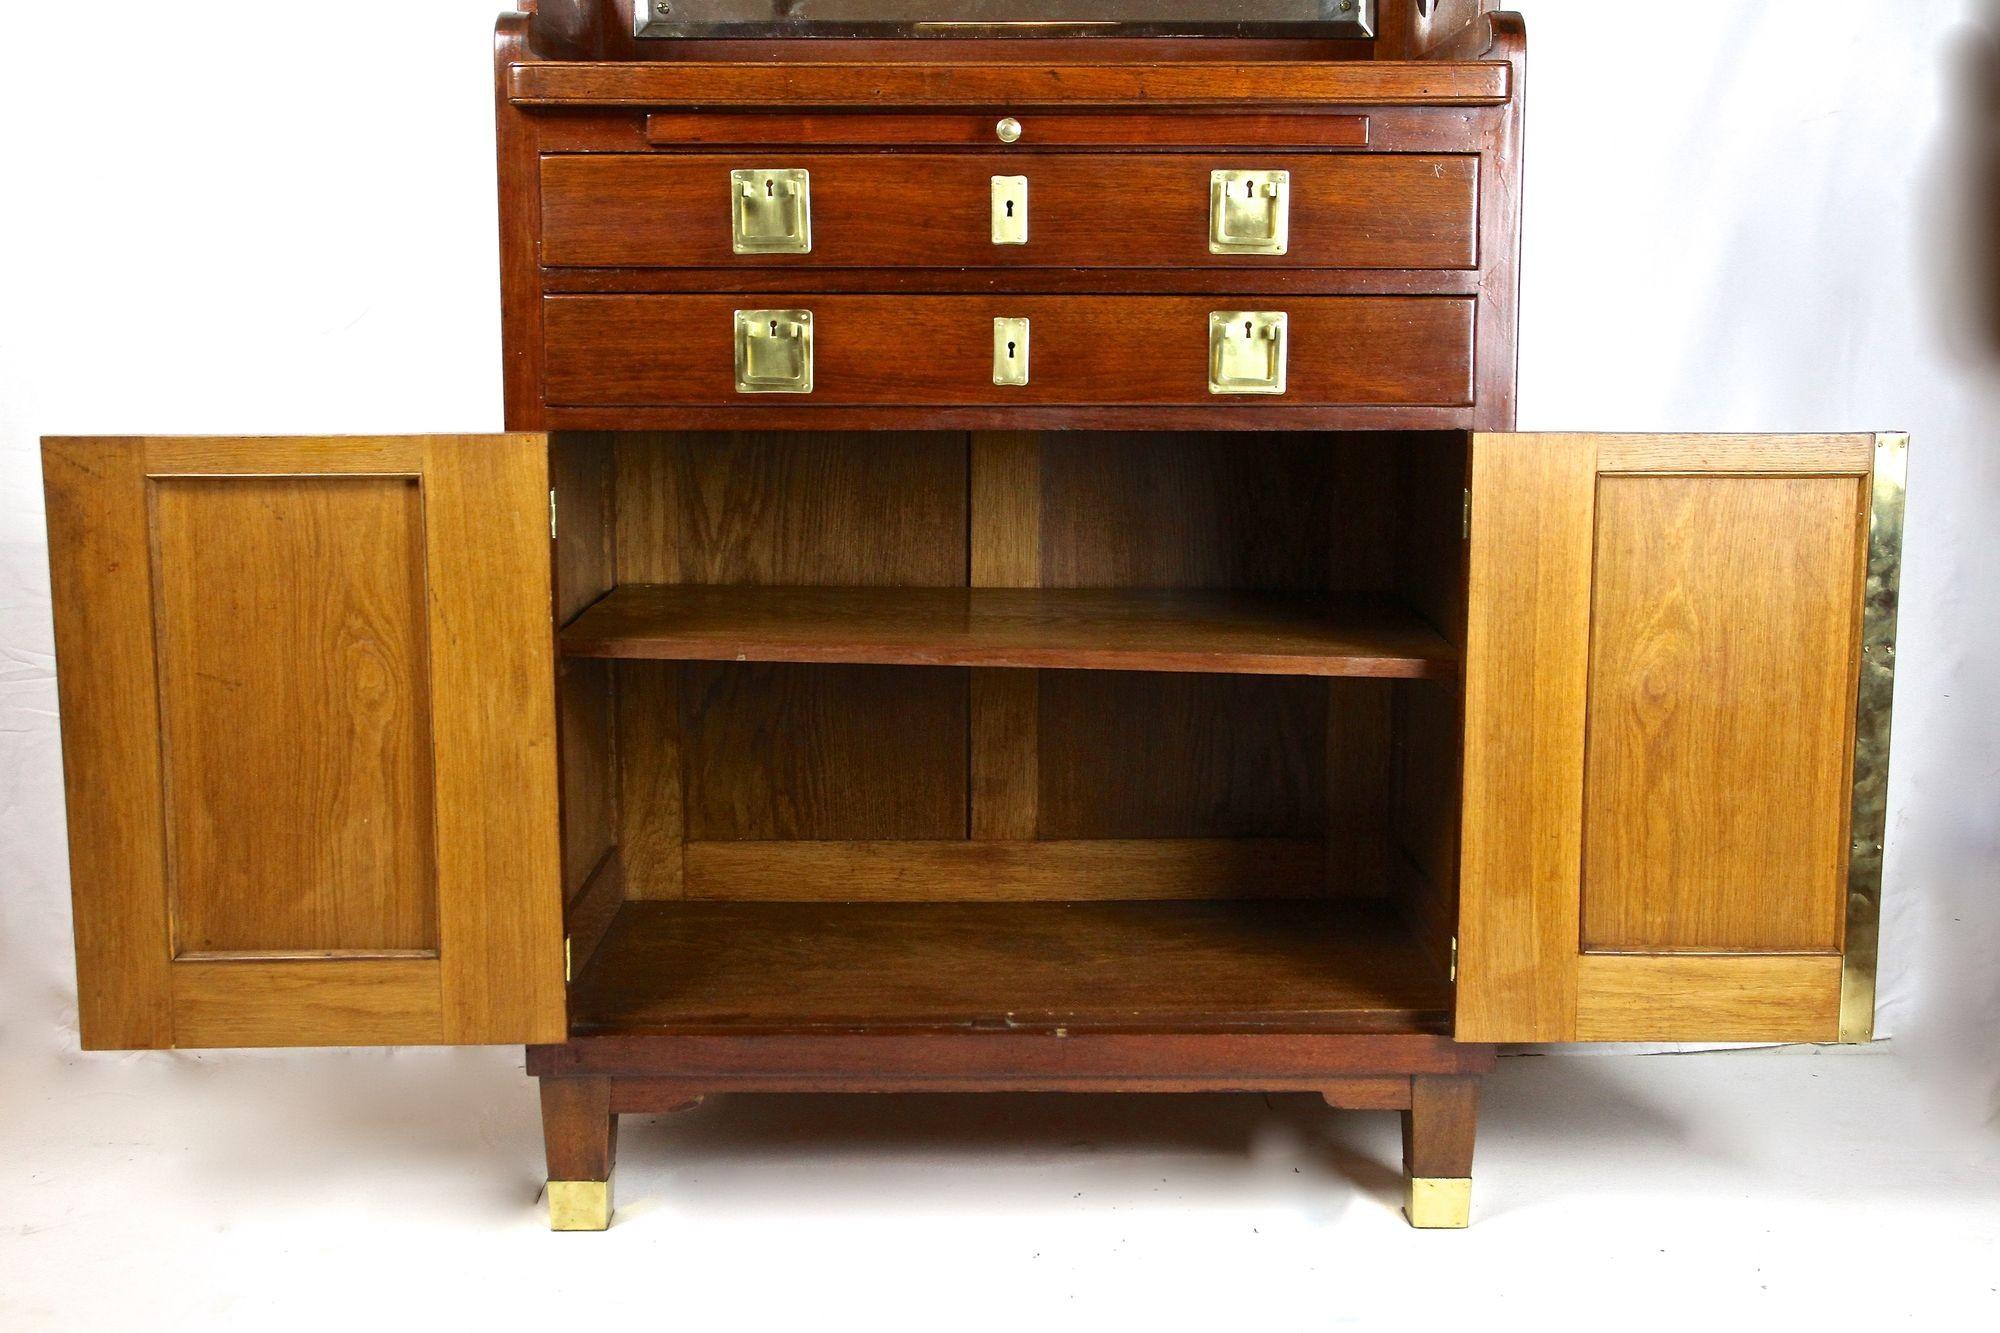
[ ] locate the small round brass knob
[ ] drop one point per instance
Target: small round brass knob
(1009, 129)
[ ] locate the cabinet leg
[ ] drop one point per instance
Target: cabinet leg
(1438, 1131)
(581, 1136)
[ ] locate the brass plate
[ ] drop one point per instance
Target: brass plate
(770, 210)
(774, 351)
(1439, 1202)
(1249, 212)
(579, 1205)
(1246, 351)
(1875, 688)
(1010, 351)
(1010, 210)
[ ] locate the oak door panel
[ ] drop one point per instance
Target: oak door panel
(295, 713)
(307, 706)
(1661, 700)
(1714, 815)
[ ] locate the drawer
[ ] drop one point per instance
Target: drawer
(637, 351)
(1083, 210)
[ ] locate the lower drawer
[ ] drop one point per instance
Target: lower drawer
(635, 351)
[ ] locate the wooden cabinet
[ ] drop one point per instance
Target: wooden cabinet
(920, 729)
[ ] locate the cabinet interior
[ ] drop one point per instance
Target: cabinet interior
(1066, 729)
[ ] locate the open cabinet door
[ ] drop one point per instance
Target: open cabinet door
(308, 719)
(1678, 667)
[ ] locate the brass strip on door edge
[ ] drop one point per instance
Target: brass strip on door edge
(1867, 825)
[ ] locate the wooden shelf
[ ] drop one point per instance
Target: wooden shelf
(1107, 629)
(1260, 965)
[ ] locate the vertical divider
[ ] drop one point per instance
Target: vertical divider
(1005, 510)
(651, 815)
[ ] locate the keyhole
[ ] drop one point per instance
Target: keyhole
(1010, 351)
(1246, 328)
(770, 188)
(1010, 208)
(774, 328)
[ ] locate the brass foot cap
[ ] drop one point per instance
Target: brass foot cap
(1439, 1202)
(579, 1205)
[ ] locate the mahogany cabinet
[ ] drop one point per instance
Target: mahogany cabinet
(895, 655)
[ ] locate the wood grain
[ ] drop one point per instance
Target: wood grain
(913, 209)
(1721, 697)
(1195, 510)
(493, 719)
(1022, 86)
(1006, 870)
(1096, 628)
(106, 682)
(938, 350)
(322, 1002)
(1526, 678)
(684, 967)
(1005, 753)
(823, 752)
(1359, 734)
(294, 686)
(861, 508)
(1744, 454)
(1155, 1061)
(652, 816)
(1708, 998)
(1005, 518)
(1221, 756)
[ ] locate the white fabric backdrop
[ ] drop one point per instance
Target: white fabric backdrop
(1771, 216)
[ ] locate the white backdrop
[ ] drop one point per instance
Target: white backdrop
(1769, 216)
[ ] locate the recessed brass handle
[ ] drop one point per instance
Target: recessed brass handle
(1249, 212)
(774, 351)
(770, 211)
(1246, 351)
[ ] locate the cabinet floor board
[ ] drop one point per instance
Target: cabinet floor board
(1103, 966)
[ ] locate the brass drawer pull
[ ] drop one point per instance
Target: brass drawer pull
(1249, 212)
(771, 211)
(774, 351)
(1246, 351)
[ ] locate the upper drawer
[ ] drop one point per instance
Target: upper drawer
(1361, 210)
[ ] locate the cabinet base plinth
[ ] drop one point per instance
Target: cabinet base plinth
(579, 1205)
(1439, 1203)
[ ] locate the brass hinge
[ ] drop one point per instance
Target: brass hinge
(552, 515)
(1465, 516)
(1454, 958)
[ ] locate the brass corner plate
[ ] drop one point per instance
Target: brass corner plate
(1246, 351)
(579, 1205)
(770, 211)
(1439, 1203)
(774, 351)
(1874, 696)
(1249, 212)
